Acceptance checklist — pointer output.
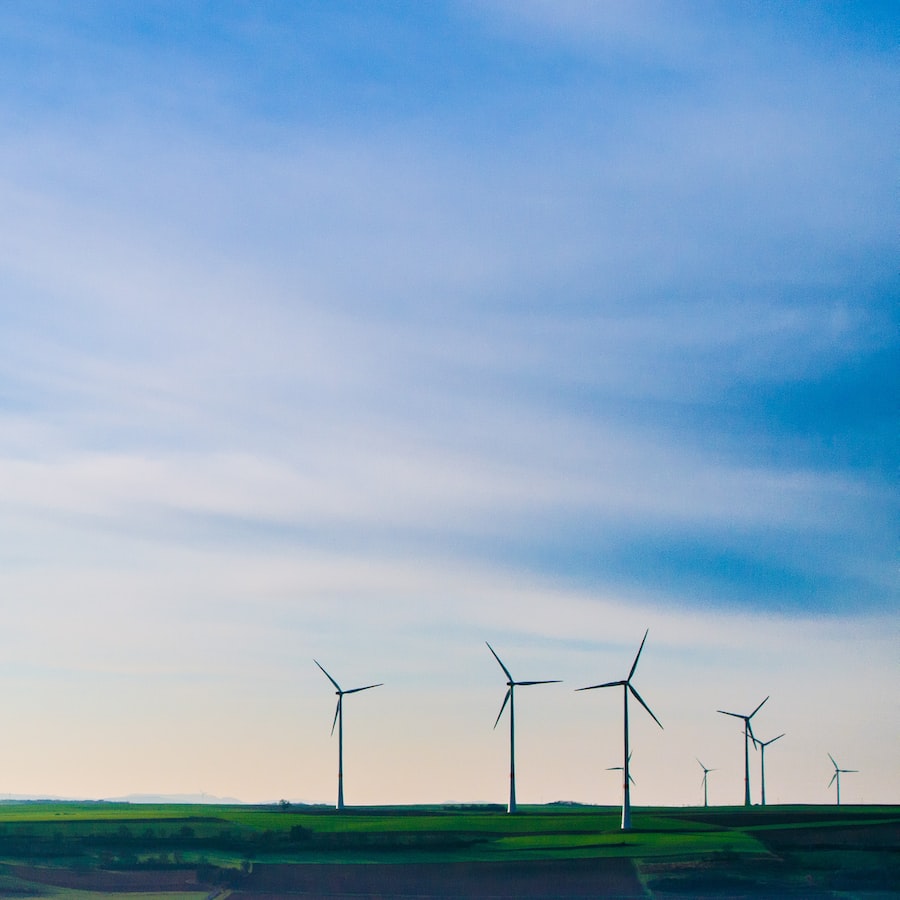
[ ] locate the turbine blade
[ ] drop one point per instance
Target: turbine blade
(832, 760)
(631, 779)
(505, 701)
(527, 683)
(830, 783)
(758, 708)
(337, 711)
(736, 715)
(634, 664)
(614, 768)
(641, 701)
(849, 770)
(499, 661)
(327, 675)
(366, 688)
(774, 739)
(701, 764)
(607, 684)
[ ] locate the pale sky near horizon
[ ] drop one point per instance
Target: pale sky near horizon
(370, 332)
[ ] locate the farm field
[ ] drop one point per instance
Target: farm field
(116, 850)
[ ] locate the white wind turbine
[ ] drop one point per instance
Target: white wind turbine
(339, 721)
(705, 779)
(626, 687)
(762, 764)
(748, 734)
(837, 777)
(622, 769)
(511, 685)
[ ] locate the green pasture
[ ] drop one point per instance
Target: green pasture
(128, 835)
(672, 849)
(140, 834)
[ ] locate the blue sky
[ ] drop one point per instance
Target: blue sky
(370, 332)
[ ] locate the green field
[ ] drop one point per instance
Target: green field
(57, 850)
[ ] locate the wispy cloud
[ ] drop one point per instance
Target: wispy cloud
(566, 318)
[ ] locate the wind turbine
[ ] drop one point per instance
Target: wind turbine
(705, 774)
(626, 687)
(762, 763)
(837, 777)
(339, 721)
(510, 698)
(748, 733)
(621, 769)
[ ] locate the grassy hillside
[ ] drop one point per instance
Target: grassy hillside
(182, 849)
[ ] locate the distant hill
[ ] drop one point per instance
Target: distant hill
(173, 798)
(130, 798)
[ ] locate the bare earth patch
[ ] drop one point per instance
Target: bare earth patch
(157, 881)
(538, 879)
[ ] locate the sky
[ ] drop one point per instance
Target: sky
(368, 333)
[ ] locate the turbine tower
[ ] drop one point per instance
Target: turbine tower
(762, 763)
(510, 698)
(627, 686)
(837, 777)
(748, 734)
(705, 778)
(339, 721)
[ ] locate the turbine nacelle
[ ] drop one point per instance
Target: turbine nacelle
(622, 769)
(837, 768)
(626, 683)
(747, 725)
(340, 693)
(511, 683)
(764, 744)
(838, 771)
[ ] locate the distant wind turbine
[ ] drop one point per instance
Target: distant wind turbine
(748, 734)
(762, 763)
(510, 698)
(621, 769)
(626, 687)
(339, 721)
(705, 774)
(837, 777)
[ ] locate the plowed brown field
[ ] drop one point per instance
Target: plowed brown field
(600, 878)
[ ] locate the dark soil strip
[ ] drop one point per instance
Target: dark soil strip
(551, 880)
(105, 880)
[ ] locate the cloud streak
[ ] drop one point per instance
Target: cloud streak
(562, 320)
